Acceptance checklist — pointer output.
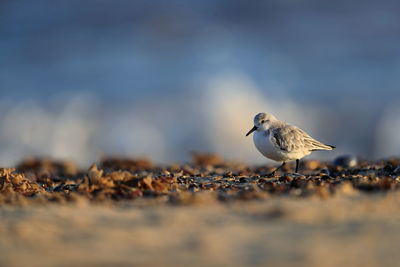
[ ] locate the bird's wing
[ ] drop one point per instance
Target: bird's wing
(287, 138)
(312, 144)
(291, 138)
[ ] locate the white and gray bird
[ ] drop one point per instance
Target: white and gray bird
(282, 142)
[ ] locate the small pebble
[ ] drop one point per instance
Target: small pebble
(325, 172)
(228, 174)
(286, 178)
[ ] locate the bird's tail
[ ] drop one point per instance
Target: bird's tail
(320, 146)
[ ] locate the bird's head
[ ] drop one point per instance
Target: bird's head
(262, 122)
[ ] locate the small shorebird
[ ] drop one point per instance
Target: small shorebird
(282, 142)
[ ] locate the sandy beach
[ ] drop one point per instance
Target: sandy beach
(208, 213)
(346, 230)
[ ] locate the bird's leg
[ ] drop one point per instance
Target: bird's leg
(297, 164)
(272, 174)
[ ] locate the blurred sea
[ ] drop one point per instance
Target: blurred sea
(81, 79)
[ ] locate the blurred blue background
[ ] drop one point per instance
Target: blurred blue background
(83, 79)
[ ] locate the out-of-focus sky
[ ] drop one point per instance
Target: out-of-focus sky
(81, 79)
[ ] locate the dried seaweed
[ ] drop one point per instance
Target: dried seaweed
(207, 178)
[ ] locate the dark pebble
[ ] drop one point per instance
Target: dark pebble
(242, 180)
(346, 161)
(58, 188)
(193, 187)
(389, 168)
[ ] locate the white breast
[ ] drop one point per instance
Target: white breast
(266, 147)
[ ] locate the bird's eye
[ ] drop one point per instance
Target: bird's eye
(262, 121)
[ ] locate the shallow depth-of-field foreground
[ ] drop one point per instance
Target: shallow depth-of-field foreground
(131, 212)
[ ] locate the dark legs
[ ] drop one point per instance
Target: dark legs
(274, 171)
(297, 164)
(283, 164)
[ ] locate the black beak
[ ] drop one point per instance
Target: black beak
(252, 130)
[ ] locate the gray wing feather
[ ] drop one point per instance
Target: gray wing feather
(291, 138)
